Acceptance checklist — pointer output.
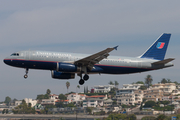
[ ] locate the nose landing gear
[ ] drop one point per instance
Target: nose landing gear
(26, 76)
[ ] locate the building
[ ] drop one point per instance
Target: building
(51, 101)
(139, 95)
(166, 87)
(129, 96)
(132, 86)
(75, 97)
(48, 102)
(153, 94)
(103, 88)
(94, 101)
(108, 102)
(53, 96)
(27, 100)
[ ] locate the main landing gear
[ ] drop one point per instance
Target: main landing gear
(85, 78)
(25, 76)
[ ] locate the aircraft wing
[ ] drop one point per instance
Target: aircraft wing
(95, 58)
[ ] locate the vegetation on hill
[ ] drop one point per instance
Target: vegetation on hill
(23, 109)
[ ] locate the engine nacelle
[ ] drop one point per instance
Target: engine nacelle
(67, 67)
(60, 75)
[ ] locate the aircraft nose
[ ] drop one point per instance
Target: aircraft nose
(6, 61)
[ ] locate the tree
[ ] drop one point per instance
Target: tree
(161, 117)
(117, 117)
(164, 81)
(131, 117)
(149, 104)
(148, 80)
(116, 84)
(149, 118)
(46, 96)
(139, 82)
(47, 108)
(111, 83)
(40, 97)
(7, 111)
(169, 81)
(7, 100)
(89, 110)
(62, 97)
(23, 109)
(48, 91)
(143, 87)
(78, 87)
(67, 85)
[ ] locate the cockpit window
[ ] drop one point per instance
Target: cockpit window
(15, 54)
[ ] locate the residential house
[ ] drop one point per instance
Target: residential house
(28, 101)
(94, 101)
(139, 95)
(165, 87)
(75, 97)
(103, 88)
(51, 101)
(132, 86)
(129, 95)
(108, 102)
(53, 96)
(155, 94)
(64, 101)
(176, 92)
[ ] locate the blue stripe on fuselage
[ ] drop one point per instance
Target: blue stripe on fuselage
(51, 65)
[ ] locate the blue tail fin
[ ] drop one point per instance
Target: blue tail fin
(158, 49)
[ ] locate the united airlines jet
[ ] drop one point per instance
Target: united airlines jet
(65, 65)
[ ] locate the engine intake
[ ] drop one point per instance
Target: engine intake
(67, 67)
(60, 75)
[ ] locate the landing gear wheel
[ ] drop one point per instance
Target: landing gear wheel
(25, 76)
(81, 81)
(86, 77)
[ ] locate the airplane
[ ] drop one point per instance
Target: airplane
(65, 65)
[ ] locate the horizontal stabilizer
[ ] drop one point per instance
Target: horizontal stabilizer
(164, 61)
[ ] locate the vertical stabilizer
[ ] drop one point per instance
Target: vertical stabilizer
(158, 49)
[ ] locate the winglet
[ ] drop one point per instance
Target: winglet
(116, 47)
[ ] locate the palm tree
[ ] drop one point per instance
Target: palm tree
(148, 80)
(48, 91)
(67, 85)
(116, 84)
(77, 87)
(111, 83)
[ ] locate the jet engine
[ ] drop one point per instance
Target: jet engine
(67, 67)
(61, 75)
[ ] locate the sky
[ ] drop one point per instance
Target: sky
(83, 26)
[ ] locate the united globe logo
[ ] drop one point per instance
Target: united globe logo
(160, 45)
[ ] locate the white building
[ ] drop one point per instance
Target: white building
(166, 88)
(51, 101)
(132, 86)
(94, 101)
(129, 94)
(75, 97)
(53, 96)
(103, 88)
(27, 100)
(48, 101)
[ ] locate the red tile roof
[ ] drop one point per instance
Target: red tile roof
(95, 96)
